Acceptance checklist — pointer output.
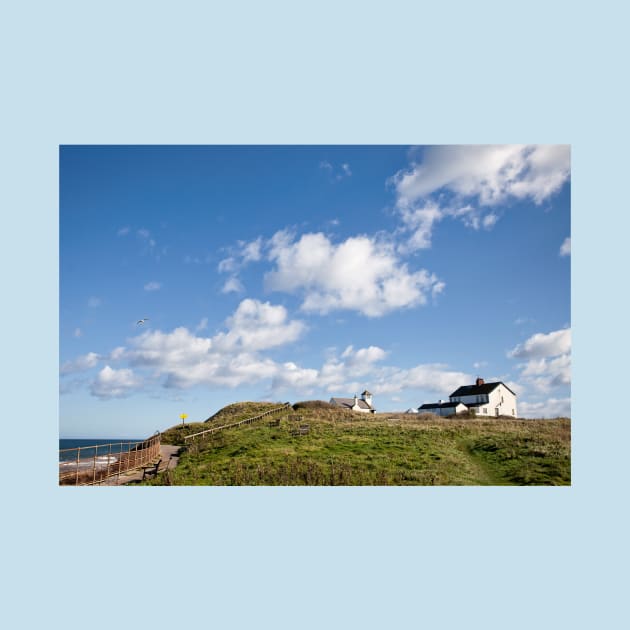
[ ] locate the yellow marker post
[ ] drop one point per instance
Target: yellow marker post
(183, 417)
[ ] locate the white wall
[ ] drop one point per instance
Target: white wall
(505, 400)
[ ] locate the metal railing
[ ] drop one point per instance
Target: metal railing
(90, 465)
(207, 432)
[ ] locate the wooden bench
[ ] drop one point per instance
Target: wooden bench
(151, 469)
(303, 429)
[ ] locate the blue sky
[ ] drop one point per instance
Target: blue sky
(290, 273)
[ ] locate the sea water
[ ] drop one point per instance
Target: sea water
(91, 447)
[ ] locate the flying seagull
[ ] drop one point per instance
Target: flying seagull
(140, 322)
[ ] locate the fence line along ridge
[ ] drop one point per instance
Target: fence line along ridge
(236, 424)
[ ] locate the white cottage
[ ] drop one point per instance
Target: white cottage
(363, 404)
(487, 399)
(483, 399)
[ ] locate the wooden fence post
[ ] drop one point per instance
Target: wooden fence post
(94, 464)
(76, 477)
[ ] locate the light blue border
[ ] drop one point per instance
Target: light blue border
(348, 72)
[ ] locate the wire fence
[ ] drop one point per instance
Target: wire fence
(207, 432)
(90, 465)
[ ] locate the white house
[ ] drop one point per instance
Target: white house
(363, 404)
(483, 399)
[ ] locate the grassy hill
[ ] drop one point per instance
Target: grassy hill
(227, 415)
(346, 448)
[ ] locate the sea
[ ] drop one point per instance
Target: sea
(90, 447)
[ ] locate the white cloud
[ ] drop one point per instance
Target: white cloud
(548, 362)
(434, 378)
(491, 173)
(251, 251)
(117, 353)
(161, 350)
(123, 231)
(227, 265)
(363, 355)
(81, 364)
(489, 221)
(78, 332)
(551, 408)
(183, 359)
(543, 374)
(565, 248)
(229, 358)
(259, 326)
(544, 345)
(360, 274)
(241, 255)
(111, 383)
(419, 221)
(232, 285)
(291, 376)
(152, 286)
(94, 302)
(471, 181)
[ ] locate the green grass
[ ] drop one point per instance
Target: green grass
(345, 448)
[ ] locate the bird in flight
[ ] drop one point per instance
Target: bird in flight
(140, 322)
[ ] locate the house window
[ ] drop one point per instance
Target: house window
(513, 412)
(485, 411)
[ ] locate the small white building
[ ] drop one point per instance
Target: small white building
(363, 404)
(443, 408)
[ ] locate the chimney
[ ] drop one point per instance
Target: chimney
(479, 381)
(356, 400)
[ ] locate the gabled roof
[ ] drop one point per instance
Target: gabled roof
(475, 390)
(445, 405)
(349, 402)
(365, 393)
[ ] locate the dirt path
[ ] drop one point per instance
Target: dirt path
(170, 459)
(485, 476)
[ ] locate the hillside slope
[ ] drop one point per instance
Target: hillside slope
(345, 448)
